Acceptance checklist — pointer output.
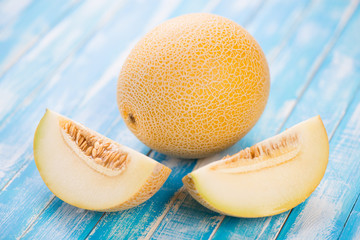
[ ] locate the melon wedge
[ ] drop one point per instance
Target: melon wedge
(90, 171)
(268, 178)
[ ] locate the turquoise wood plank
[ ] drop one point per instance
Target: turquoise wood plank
(23, 23)
(243, 11)
(335, 197)
(32, 70)
(250, 228)
(49, 95)
(275, 23)
(352, 227)
(73, 99)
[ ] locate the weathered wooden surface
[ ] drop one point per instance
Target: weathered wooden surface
(66, 55)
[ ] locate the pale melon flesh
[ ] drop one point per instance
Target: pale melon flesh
(110, 178)
(269, 178)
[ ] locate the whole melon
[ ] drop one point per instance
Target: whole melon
(193, 86)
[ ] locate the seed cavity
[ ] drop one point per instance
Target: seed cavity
(98, 152)
(262, 155)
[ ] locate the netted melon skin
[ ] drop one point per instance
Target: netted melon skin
(193, 86)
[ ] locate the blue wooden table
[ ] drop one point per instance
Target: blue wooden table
(66, 55)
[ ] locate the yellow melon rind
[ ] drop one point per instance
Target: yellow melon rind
(150, 187)
(190, 186)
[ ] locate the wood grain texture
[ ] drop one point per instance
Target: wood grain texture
(32, 71)
(23, 23)
(75, 79)
(276, 22)
(98, 112)
(68, 60)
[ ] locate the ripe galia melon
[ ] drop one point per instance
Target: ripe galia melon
(194, 85)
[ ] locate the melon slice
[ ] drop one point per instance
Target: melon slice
(268, 178)
(90, 171)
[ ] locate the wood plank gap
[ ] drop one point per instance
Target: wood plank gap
(37, 216)
(349, 216)
(349, 12)
(41, 35)
(102, 22)
(283, 224)
(162, 216)
(149, 152)
(93, 228)
(222, 217)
